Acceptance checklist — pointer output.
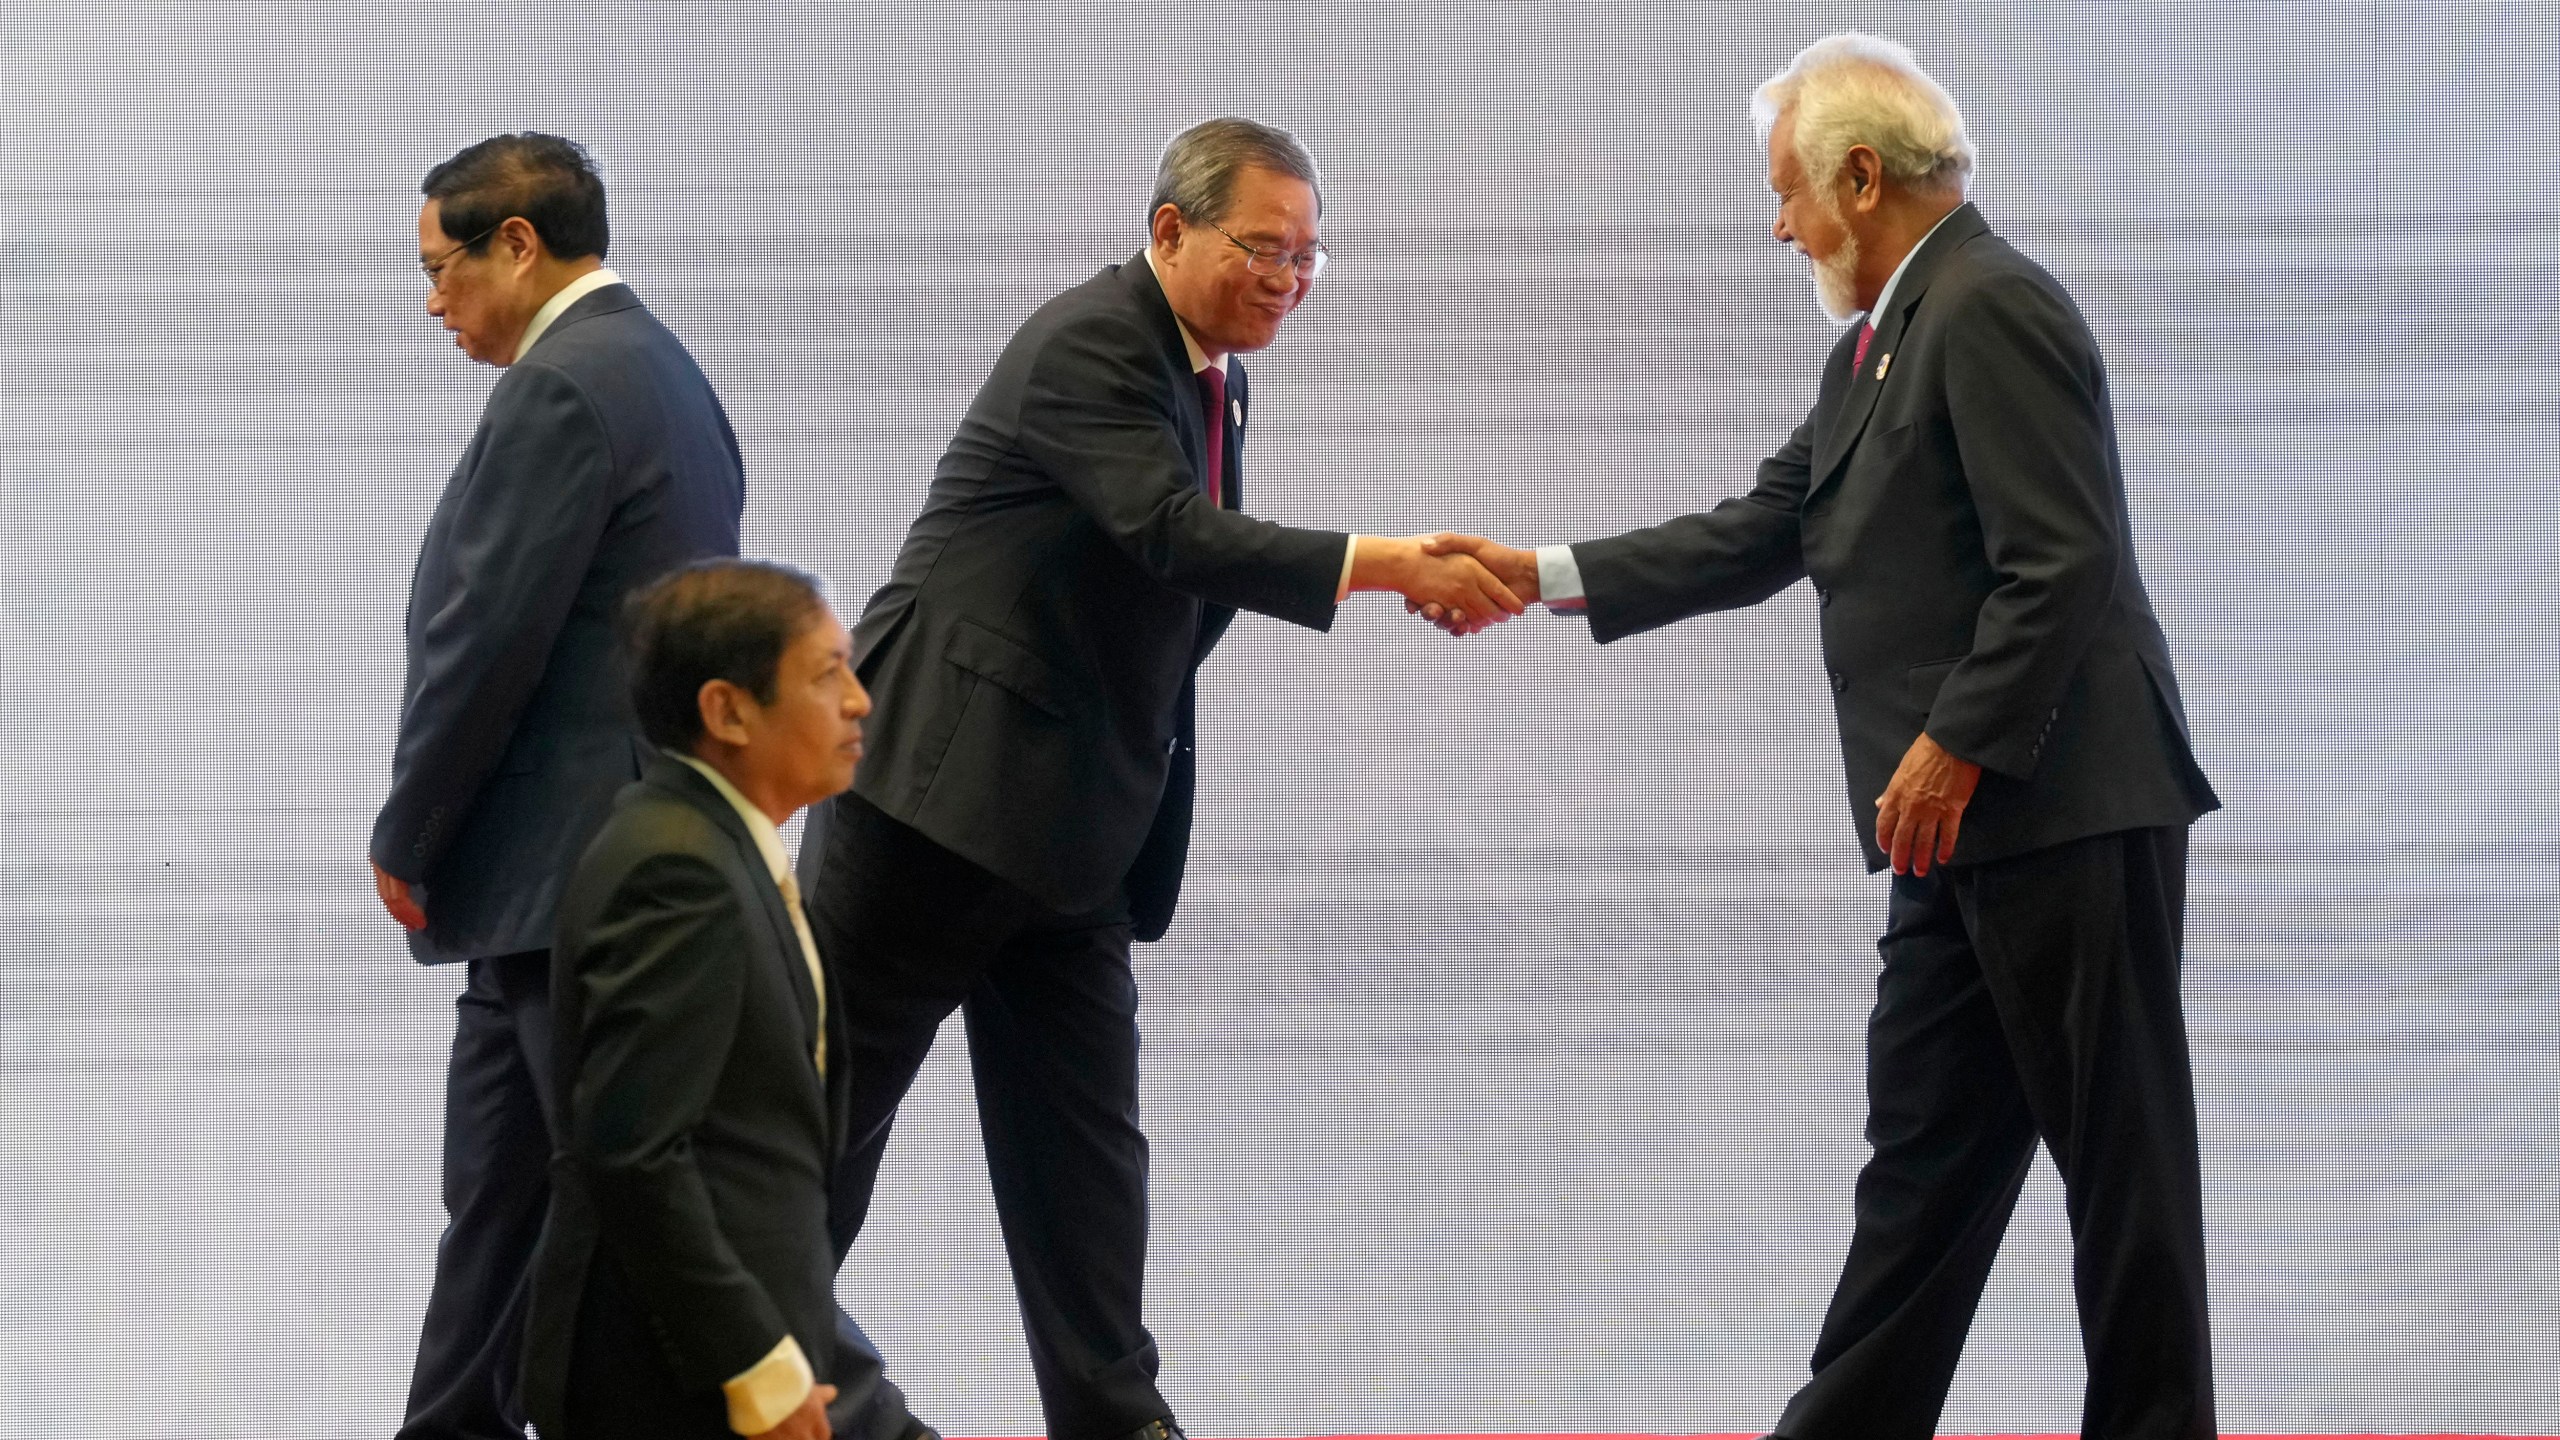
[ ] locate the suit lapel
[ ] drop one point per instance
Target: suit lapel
(1857, 400)
(679, 777)
(1192, 422)
(1858, 397)
(1188, 412)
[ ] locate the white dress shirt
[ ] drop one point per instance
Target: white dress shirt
(570, 294)
(1560, 579)
(765, 1393)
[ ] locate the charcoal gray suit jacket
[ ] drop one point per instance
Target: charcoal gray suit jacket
(1959, 505)
(603, 460)
(1031, 656)
(688, 1224)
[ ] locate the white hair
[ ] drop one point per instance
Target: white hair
(1854, 89)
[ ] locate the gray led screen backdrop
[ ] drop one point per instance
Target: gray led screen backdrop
(1504, 1066)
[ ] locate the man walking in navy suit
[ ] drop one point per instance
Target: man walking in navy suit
(602, 461)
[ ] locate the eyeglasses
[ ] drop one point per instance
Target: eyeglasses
(434, 269)
(1309, 262)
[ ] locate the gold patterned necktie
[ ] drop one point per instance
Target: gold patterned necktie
(790, 888)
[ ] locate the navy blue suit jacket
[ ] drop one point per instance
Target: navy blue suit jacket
(602, 461)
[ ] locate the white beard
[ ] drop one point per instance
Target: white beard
(1835, 281)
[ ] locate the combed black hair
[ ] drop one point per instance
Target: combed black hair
(551, 182)
(717, 619)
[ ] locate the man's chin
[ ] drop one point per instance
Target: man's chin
(1256, 338)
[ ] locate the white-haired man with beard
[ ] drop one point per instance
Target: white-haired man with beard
(2016, 751)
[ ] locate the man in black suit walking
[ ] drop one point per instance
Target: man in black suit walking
(2016, 751)
(684, 1288)
(602, 460)
(1028, 803)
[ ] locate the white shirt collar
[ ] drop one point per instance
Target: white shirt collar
(1199, 358)
(570, 294)
(759, 824)
(1885, 296)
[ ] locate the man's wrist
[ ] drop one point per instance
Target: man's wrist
(766, 1394)
(1380, 562)
(1559, 579)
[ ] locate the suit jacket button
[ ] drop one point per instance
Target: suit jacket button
(1839, 683)
(1822, 598)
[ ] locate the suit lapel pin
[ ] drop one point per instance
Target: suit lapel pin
(1236, 409)
(1884, 363)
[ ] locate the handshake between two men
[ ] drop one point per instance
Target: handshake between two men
(1917, 817)
(1509, 573)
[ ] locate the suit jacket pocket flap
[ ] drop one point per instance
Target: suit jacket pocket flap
(1924, 681)
(981, 651)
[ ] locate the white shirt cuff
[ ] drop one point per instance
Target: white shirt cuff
(770, 1390)
(1559, 579)
(1350, 549)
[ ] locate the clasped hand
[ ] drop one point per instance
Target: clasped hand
(1515, 570)
(1457, 591)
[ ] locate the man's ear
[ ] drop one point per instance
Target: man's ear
(523, 243)
(723, 712)
(1865, 172)
(1164, 228)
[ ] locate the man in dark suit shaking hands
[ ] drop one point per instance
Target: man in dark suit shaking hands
(684, 1287)
(602, 460)
(2016, 751)
(1028, 803)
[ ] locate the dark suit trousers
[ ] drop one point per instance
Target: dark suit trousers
(913, 931)
(2029, 998)
(497, 1186)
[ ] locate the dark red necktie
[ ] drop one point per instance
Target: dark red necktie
(1866, 337)
(1213, 403)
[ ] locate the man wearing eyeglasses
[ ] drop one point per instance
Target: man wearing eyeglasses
(602, 461)
(1027, 805)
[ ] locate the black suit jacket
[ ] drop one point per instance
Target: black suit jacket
(688, 1225)
(1031, 656)
(603, 460)
(1959, 505)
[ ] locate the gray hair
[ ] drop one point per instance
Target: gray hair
(1197, 172)
(1854, 89)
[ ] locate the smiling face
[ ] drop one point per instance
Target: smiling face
(1227, 308)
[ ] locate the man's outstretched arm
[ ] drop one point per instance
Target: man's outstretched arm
(1740, 553)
